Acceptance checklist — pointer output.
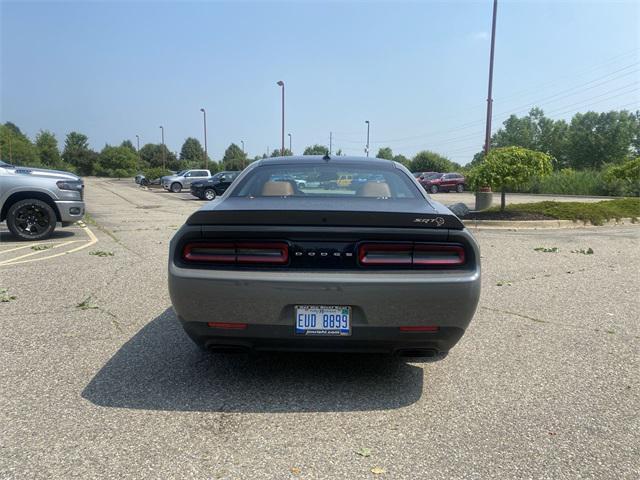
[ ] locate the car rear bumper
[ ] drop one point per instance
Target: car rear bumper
(363, 339)
(380, 302)
(70, 210)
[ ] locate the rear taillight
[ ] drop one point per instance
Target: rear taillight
(266, 253)
(385, 254)
(410, 255)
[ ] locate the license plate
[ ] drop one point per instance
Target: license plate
(323, 320)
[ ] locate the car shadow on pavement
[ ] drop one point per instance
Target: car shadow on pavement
(161, 369)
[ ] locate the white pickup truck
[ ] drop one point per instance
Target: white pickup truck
(33, 200)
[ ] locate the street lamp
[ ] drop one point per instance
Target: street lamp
(164, 159)
(367, 148)
(290, 150)
(281, 83)
(243, 154)
(206, 157)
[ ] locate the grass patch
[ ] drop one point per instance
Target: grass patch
(87, 304)
(597, 213)
(546, 249)
(101, 253)
(5, 296)
(37, 248)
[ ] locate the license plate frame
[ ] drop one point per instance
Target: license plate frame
(318, 328)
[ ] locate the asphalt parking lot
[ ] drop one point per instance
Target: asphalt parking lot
(99, 381)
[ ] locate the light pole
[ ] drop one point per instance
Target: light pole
(206, 157)
(368, 125)
(243, 154)
(164, 159)
(281, 83)
(330, 143)
(290, 150)
(138, 149)
(487, 134)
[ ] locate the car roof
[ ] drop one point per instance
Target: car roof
(335, 159)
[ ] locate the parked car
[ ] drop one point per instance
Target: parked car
(271, 267)
(444, 182)
(214, 186)
(32, 200)
(183, 179)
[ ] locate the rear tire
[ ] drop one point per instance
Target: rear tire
(209, 194)
(460, 188)
(31, 219)
(175, 187)
(433, 189)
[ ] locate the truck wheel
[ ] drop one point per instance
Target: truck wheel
(209, 194)
(459, 188)
(31, 219)
(433, 189)
(176, 187)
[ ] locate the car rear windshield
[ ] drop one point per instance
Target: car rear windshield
(327, 180)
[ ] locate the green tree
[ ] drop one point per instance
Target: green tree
(192, 151)
(235, 164)
(626, 176)
(427, 161)
(386, 153)
(278, 153)
(316, 150)
(508, 168)
(151, 155)
(16, 148)
(234, 152)
(597, 139)
(47, 146)
(116, 162)
(403, 160)
(78, 154)
(534, 132)
(128, 144)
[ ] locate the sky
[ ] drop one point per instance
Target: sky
(416, 70)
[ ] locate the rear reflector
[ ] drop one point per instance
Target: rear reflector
(410, 254)
(420, 328)
(228, 326)
(270, 253)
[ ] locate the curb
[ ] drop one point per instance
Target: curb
(535, 224)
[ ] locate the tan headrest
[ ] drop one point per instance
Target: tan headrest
(378, 190)
(277, 189)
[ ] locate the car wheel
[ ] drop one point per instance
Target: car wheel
(31, 219)
(433, 189)
(209, 194)
(175, 187)
(144, 182)
(459, 188)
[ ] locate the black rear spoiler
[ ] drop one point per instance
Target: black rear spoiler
(316, 218)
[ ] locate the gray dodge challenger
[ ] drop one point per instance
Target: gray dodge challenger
(333, 253)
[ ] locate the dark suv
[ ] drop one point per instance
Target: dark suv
(443, 182)
(214, 186)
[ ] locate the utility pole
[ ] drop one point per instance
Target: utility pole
(206, 157)
(164, 156)
(281, 83)
(368, 125)
(290, 150)
(330, 143)
(487, 135)
(138, 149)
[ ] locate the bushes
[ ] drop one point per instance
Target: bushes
(617, 180)
(151, 173)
